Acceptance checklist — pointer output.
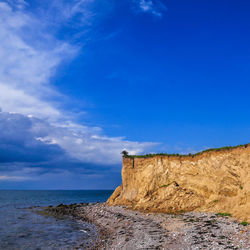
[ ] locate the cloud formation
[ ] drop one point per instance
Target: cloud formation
(35, 132)
(12, 178)
(154, 7)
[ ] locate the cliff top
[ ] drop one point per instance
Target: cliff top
(227, 148)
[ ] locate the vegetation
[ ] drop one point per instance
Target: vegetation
(224, 214)
(165, 185)
(187, 155)
(244, 223)
(124, 153)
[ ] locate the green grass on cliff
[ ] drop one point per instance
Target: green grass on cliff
(244, 223)
(224, 214)
(190, 155)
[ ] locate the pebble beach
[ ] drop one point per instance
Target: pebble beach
(121, 228)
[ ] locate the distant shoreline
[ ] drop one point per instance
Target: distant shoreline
(120, 228)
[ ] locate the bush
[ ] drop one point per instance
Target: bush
(244, 223)
(124, 153)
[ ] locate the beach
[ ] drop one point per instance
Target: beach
(122, 228)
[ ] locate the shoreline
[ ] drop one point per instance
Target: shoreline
(120, 228)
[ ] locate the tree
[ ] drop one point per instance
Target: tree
(124, 153)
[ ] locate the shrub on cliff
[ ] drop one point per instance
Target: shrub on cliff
(124, 153)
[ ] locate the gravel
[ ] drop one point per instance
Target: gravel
(120, 228)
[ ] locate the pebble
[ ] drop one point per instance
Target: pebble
(120, 228)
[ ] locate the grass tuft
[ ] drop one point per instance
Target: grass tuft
(244, 223)
(224, 214)
(163, 186)
(188, 155)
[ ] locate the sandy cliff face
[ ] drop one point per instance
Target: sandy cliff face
(217, 181)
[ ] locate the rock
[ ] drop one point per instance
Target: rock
(215, 181)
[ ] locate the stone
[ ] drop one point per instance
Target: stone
(213, 181)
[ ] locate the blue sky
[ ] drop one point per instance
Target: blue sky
(82, 80)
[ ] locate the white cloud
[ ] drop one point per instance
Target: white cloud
(87, 144)
(30, 54)
(146, 5)
(154, 7)
(13, 178)
(16, 100)
(26, 68)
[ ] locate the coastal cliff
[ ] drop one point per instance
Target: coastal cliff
(212, 181)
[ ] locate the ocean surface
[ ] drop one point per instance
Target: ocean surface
(22, 228)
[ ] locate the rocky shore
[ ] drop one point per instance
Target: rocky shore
(120, 228)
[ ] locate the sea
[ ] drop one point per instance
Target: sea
(22, 228)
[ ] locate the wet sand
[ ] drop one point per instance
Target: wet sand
(120, 228)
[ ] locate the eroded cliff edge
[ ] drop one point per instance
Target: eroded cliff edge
(216, 181)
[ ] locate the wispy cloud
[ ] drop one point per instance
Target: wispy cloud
(154, 7)
(26, 66)
(13, 178)
(35, 130)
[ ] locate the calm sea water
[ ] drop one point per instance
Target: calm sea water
(20, 228)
